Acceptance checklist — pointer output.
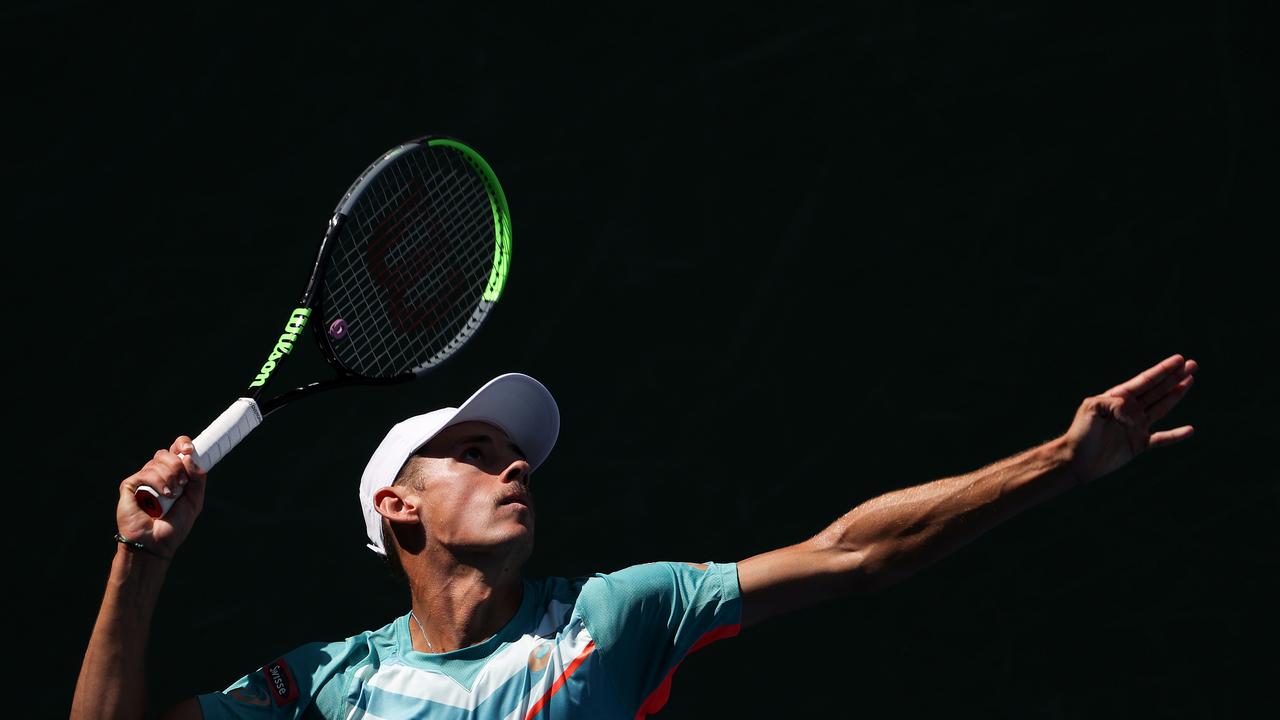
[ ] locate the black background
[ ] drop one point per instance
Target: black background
(772, 263)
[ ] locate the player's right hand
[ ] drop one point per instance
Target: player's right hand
(164, 473)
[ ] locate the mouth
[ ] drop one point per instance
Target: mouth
(516, 499)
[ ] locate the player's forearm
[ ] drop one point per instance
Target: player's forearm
(112, 683)
(899, 533)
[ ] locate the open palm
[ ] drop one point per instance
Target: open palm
(1111, 429)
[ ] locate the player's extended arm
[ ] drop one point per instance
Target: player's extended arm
(889, 538)
(112, 683)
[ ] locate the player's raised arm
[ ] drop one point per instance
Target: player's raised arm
(112, 682)
(891, 537)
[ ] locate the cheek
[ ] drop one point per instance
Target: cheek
(456, 507)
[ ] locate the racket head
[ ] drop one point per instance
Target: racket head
(419, 259)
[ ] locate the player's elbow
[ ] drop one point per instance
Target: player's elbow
(882, 565)
(847, 569)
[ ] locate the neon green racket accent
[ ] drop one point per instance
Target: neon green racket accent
(297, 321)
(501, 217)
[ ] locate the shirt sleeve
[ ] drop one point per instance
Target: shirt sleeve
(303, 683)
(646, 618)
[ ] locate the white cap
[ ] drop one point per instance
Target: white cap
(517, 404)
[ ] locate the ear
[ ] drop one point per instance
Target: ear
(396, 504)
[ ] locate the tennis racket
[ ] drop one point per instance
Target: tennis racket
(413, 260)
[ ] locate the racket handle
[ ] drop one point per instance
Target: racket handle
(210, 446)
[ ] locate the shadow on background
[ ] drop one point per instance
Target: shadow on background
(772, 264)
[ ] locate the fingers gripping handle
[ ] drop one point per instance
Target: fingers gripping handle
(210, 446)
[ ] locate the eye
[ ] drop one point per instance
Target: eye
(472, 453)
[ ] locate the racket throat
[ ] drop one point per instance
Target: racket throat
(271, 405)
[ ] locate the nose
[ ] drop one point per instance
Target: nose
(518, 471)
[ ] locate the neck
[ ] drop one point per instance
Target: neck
(460, 605)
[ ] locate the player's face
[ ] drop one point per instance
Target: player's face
(475, 490)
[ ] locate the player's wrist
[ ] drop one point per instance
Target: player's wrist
(137, 579)
(136, 551)
(1061, 453)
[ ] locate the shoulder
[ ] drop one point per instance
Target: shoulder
(301, 678)
(369, 645)
(658, 597)
(676, 580)
(644, 619)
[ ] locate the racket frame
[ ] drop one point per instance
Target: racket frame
(247, 412)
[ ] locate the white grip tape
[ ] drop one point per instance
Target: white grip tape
(216, 441)
(226, 432)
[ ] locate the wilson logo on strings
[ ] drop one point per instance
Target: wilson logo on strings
(297, 321)
(391, 240)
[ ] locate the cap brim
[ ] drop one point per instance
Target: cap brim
(522, 408)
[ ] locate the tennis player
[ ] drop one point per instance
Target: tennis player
(447, 498)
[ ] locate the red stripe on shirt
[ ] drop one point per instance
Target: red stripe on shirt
(658, 698)
(559, 683)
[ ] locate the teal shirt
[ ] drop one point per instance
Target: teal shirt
(599, 646)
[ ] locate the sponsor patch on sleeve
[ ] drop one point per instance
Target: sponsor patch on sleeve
(280, 682)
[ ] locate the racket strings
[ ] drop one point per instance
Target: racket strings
(413, 306)
(409, 276)
(451, 297)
